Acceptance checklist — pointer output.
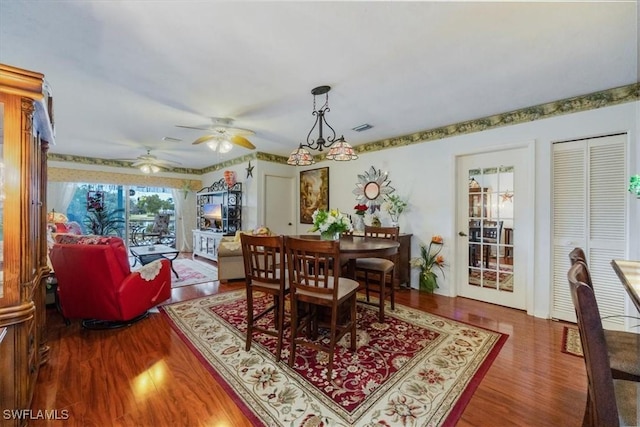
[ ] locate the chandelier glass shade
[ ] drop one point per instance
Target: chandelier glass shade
(300, 157)
(340, 149)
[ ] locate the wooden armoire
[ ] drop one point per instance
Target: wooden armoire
(26, 130)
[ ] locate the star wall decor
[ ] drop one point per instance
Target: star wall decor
(250, 170)
(507, 197)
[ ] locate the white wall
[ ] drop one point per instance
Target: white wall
(425, 175)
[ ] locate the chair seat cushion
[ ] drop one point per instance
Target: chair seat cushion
(376, 264)
(627, 398)
(345, 287)
(624, 351)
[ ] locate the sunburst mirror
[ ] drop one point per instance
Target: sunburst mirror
(371, 188)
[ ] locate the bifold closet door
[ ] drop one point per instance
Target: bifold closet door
(589, 211)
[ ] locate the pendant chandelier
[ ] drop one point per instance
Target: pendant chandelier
(339, 149)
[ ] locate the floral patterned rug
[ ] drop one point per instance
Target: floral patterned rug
(192, 272)
(414, 369)
(571, 341)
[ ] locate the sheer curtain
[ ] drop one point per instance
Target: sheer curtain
(59, 195)
(181, 205)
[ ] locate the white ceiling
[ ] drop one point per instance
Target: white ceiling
(123, 74)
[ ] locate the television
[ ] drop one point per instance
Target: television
(212, 214)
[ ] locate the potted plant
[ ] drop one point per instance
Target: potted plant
(330, 223)
(394, 205)
(103, 222)
(359, 218)
(429, 260)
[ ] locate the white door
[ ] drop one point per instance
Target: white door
(494, 212)
(589, 211)
(279, 204)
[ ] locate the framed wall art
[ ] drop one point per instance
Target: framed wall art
(95, 201)
(314, 192)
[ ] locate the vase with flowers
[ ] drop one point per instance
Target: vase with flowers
(429, 260)
(394, 205)
(358, 220)
(330, 223)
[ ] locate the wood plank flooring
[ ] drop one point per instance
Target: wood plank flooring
(145, 375)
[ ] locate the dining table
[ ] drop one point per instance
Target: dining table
(628, 272)
(353, 247)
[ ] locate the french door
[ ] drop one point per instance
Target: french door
(494, 213)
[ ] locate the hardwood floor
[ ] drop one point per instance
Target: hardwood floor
(145, 375)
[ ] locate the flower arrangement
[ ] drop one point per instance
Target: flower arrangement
(330, 223)
(394, 205)
(429, 260)
(360, 209)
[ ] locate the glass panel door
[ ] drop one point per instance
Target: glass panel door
(490, 231)
(493, 200)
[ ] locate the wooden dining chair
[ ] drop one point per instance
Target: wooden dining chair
(317, 287)
(382, 270)
(624, 347)
(264, 267)
(610, 402)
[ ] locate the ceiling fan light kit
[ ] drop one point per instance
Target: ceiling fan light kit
(220, 145)
(341, 151)
(223, 136)
(148, 163)
(149, 168)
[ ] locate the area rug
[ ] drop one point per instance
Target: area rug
(490, 276)
(571, 341)
(414, 369)
(191, 272)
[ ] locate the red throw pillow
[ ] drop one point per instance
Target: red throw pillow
(61, 227)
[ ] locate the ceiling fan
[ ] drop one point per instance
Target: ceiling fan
(148, 163)
(223, 135)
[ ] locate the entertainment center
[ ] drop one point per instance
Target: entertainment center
(219, 213)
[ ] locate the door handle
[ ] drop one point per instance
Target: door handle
(462, 234)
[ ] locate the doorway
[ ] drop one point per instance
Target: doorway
(279, 204)
(494, 209)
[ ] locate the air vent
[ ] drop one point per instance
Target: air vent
(363, 127)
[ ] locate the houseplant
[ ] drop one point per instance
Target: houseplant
(429, 260)
(330, 223)
(358, 223)
(104, 222)
(394, 205)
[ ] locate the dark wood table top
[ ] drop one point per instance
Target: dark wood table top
(629, 274)
(360, 246)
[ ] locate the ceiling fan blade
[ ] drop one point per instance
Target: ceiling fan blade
(203, 139)
(166, 163)
(242, 142)
(194, 127)
(237, 131)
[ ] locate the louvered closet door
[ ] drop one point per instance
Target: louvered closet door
(589, 211)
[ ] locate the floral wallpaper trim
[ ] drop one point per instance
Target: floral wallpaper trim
(96, 176)
(592, 101)
(109, 162)
(219, 166)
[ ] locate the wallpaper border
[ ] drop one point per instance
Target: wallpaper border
(592, 101)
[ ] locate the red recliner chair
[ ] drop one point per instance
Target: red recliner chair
(96, 284)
